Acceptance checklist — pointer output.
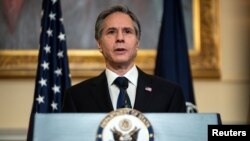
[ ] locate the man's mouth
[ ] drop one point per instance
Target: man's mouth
(120, 49)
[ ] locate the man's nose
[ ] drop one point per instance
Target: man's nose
(120, 37)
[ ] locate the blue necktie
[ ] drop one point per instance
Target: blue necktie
(123, 98)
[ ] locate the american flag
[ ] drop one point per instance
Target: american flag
(53, 75)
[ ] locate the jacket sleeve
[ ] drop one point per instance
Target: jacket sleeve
(68, 103)
(178, 101)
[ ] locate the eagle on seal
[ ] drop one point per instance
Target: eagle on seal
(131, 136)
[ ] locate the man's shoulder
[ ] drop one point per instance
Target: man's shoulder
(87, 83)
(159, 81)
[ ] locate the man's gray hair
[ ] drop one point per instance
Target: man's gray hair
(117, 8)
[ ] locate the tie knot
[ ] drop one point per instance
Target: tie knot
(121, 82)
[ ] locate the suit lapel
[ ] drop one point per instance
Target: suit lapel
(143, 98)
(101, 93)
(143, 93)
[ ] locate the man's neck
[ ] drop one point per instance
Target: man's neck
(120, 70)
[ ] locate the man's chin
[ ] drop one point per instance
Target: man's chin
(122, 63)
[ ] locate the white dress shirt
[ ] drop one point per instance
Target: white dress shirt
(132, 76)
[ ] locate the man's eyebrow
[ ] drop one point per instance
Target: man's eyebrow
(123, 28)
(111, 28)
(130, 28)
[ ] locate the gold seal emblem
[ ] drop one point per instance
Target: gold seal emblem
(125, 125)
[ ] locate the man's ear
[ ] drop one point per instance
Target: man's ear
(98, 46)
(138, 44)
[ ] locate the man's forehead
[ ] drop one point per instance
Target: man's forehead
(118, 18)
(118, 28)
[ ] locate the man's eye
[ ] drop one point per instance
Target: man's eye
(128, 31)
(111, 32)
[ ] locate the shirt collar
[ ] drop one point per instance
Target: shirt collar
(131, 75)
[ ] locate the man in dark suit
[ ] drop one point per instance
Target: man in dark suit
(117, 32)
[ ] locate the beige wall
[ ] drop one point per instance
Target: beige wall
(228, 96)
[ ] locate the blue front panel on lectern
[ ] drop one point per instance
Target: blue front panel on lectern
(83, 127)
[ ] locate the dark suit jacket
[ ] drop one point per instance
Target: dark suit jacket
(92, 95)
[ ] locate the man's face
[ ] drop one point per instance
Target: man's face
(118, 41)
